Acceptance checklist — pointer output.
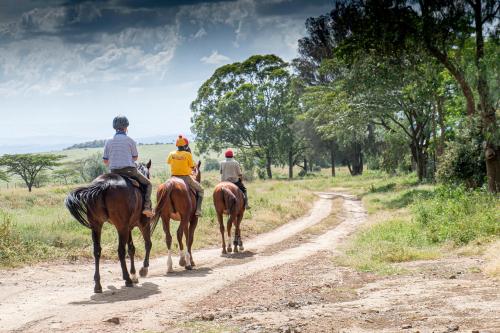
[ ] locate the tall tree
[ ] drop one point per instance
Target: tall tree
(442, 28)
(29, 166)
(245, 105)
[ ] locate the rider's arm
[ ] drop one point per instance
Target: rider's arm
(133, 150)
(105, 155)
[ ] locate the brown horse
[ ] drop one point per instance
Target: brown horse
(229, 200)
(177, 202)
(112, 198)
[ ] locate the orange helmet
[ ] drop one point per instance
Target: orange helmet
(181, 141)
(229, 153)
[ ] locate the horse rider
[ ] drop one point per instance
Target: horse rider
(120, 154)
(230, 171)
(181, 166)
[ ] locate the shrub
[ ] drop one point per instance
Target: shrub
(463, 160)
(211, 164)
(459, 216)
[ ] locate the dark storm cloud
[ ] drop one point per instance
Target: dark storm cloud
(165, 3)
(290, 7)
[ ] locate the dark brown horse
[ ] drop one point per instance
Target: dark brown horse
(177, 202)
(112, 198)
(229, 200)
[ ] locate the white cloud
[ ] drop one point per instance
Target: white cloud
(215, 59)
(200, 33)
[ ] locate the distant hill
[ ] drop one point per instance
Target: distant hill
(88, 144)
(151, 140)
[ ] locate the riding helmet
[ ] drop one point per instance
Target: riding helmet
(120, 122)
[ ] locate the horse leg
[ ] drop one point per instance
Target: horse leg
(96, 239)
(220, 218)
(182, 257)
(185, 230)
(146, 234)
(229, 225)
(238, 231)
(131, 253)
(168, 241)
(122, 241)
(192, 228)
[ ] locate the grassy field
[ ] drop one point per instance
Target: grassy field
(37, 227)
(407, 220)
(410, 221)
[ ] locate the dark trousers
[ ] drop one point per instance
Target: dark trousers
(133, 173)
(242, 187)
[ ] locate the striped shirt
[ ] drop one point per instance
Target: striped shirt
(230, 170)
(120, 151)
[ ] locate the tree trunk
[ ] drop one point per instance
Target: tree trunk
(490, 126)
(332, 159)
(290, 164)
(356, 161)
(305, 165)
(268, 166)
(442, 127)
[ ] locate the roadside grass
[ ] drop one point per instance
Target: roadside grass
(408, 221)
(36, 227)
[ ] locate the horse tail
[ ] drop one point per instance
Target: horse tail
(80, 200)
(229, 199)
(163, 198)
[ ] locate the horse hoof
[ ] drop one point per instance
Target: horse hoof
(224, 251)
(182, 262)
(192, 263)
(135, 280)
(189, 268)
(98, 290)
(170, 270)
(242, 248)
(143, 272)
(129, 283)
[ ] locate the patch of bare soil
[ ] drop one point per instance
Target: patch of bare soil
(313, 295)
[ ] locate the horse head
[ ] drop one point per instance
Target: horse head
(144, 169)
(197, 172)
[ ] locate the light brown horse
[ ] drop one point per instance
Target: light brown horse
(110, 197)
(177, 202)
(229, 200)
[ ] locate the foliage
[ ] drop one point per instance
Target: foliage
(66, 175)
(463, 160)
(29, 166)
(90, 168)
(459, 216)
(3, 176)
(211, 164)
(245, 105)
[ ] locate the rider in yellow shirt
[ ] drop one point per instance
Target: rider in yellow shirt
(181, 165)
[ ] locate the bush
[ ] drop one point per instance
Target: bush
(211, 164)
(457, 215)
(463, 161)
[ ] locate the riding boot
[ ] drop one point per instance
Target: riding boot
(198, 205)
(245, 196)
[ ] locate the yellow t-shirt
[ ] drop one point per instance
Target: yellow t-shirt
(181, 163)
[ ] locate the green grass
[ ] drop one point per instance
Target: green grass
(408, 221)
(37, 227)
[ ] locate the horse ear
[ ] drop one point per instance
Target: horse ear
(149, 164)
(199, 164)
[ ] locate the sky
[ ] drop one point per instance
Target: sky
(67, 67)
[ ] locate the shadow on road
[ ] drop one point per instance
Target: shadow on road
(197, 272)
(113, 295)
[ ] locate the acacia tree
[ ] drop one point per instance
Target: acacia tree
(29, 166)
(245, 105)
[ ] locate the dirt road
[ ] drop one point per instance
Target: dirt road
(282, 282)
